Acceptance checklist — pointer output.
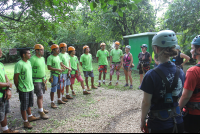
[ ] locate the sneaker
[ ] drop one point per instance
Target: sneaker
(33, 118)
(93, 87)
(126, 85)
(11, 131)
(116, 84)
(86, 93)
(73, 93)
(69, 97)
(53, 105)
(110, 84)
(104, 83)
(131, 87)
(43, 116)
(64, 99)
(139, 87)
(61, 102)
(27, 125)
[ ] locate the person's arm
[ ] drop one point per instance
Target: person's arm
(131, 60)
(187, 94)
(187, 58)
(8, 94)
(146, 104)
(62, 65)
(53, 69)
(97, 59)
(150, 60)
(81, 63)
(121, 64)
(16, 81)
(110, 61)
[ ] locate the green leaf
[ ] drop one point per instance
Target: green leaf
(92, 6)
(123, 8)
(134, 6)
(111, 2)
(105, 9)
(56, 2)
(130, 7)
(137, 1)
(114, 8)
(120, 12)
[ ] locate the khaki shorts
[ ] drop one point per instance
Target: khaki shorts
(39, 88)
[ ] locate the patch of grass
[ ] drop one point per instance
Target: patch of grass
(71, 129)
(33, 123)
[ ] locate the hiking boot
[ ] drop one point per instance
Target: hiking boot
(27, 125)
(64, 99)
(86, 93)
(11, 131)
(99, 85)
(45, 111)
(110, 84)
(116, 84)
(126, 85)
(53, 105)
(33, 118)
(73, 93)
(88, 89)
(93, 87)
(43, 116)
(61, 102)
(69, 97)
(131, 87)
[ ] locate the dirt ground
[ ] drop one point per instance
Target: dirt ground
(105, 111)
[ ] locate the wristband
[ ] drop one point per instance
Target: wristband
(10, 89)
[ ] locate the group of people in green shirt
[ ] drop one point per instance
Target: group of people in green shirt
(117, 61)
(30, 77)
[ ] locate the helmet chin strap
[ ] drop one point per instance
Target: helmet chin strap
(195, 54)
(156, 55)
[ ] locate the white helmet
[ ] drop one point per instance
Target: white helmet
(165, 38)
(129, 47)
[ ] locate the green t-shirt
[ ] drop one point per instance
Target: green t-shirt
(86, 62)
(24, 70)
(74, 61)
(102, 57)
(2, 77)
(38, 68)
(54, 61)
(116, 55)
(65, 60)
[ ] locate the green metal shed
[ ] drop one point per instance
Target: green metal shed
(136, 40)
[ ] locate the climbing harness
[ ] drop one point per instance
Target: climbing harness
(173, 112)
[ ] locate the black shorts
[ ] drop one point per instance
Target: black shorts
(192, 123)
(26, 100)
(88, 73)
(4, 109)
(170, 130)
(146, 67)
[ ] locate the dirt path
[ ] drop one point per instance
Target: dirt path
(105, 110)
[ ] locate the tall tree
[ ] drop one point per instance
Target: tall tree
(183, 16)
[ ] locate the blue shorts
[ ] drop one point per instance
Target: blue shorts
(66, 81)
(55, 85)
